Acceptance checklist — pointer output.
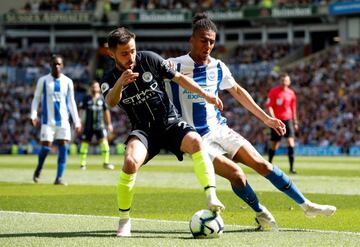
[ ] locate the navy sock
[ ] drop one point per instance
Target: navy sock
(281, 181)
(42, 156)
(62, 159)
(271, 154)
(291, 157)
(249, 196)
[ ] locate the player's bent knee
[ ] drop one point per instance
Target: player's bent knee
(191, 143)
(131, 164)
(264, 168)
(239, 179)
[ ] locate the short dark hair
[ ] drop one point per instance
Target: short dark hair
(282, 76)
(53, 60)
(119, 36)
(201, 21)
(55, 56)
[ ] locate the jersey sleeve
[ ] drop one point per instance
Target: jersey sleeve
(270, 99)
(163, 65)
(36, 100)
(72, 104)
(105, 86)
(228, 80)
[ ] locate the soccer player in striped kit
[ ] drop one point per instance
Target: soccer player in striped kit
(281, 104)
(56, 93)
(213, 75)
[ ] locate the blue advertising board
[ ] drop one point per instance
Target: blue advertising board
(344, 8)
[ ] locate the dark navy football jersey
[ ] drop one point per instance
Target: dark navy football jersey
(145, 100)
(94, 112)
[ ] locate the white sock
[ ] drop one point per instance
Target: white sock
(124, 215)
(305, 204)
(211, 192)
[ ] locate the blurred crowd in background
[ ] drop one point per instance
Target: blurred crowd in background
(213, 4)
(34, 6)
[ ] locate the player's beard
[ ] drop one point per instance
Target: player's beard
(122, 67)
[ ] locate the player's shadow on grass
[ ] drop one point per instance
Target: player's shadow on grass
(168, 234)
(148, 234)
(260, 231)
(156, 234)
(100, 234)
(160, 234)
(241, 230)
(104, 233)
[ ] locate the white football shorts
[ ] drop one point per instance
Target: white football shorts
(51, 132)
(223, 141)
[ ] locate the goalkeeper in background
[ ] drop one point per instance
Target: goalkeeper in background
(97, 121)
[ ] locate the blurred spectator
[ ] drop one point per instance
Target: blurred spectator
(255, 53)
(217, 4)
(25, 66)
(34, 6)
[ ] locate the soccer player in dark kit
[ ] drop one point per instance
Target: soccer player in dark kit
(97, 121)
(136, 84)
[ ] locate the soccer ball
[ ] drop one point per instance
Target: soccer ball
(206, 224)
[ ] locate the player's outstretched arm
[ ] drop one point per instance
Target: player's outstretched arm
(245, 99)
(271, 111)
(192, 86)
(277, 125)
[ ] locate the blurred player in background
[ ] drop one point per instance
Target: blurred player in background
(56, 93)
(281, 103)
(213, 75)
(97, 121)
(136, 84)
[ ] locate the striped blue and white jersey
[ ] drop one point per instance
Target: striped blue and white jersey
(193, 108)
(57, 100)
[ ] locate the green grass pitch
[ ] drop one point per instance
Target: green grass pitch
(84, 213)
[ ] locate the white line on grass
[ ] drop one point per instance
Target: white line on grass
(170, 221)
